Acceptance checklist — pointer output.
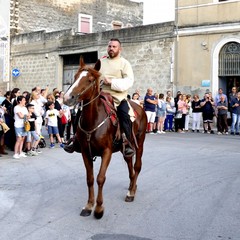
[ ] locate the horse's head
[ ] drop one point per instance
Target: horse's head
(85, 85)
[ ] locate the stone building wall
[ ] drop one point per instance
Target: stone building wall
(148, 48)
(56, 15)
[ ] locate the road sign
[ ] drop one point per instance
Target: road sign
(15, 72)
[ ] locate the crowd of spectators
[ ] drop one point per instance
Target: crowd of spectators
(38, 108)
(173, 114)
(165, 113)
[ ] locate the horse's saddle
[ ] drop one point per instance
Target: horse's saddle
(108, 103)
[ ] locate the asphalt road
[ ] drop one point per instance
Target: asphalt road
(188, 190)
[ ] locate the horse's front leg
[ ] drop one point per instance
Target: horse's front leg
(133, 173)
(87, 210)
(106, 157)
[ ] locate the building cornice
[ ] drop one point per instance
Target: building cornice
(206, 5)
(206, 29)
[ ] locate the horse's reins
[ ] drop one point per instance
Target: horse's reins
(89, 133)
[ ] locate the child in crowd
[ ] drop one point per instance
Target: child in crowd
(32, 137)
(51, 123)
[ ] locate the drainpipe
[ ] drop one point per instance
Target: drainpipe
(175, 47)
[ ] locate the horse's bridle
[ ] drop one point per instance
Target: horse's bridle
(85, 90)
(89, 133)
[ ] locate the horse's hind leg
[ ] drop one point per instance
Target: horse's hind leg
(87, 210)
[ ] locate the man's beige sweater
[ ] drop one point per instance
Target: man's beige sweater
(121, 73)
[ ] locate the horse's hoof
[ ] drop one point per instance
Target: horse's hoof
(85, 212)
(129, 199)
(98, 215)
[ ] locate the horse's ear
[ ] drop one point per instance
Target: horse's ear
(97, 65)
(81, 62)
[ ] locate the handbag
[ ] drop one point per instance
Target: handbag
(27, 125)
(5, 127)
(64, 119)
(178, 115)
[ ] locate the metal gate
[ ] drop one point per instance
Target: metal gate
(229, 60)
(68, 76)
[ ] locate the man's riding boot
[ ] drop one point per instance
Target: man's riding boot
(72, 146)
(126, 126)
(69, 147)
(128, 150)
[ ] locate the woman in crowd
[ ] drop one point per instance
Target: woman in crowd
(196, 113)
(9, 136)
(20, 113)
(170, 111)
(161, 113)
(38, 111)
(135, 98)
(188, 113)
(14, 94)
(182, 108)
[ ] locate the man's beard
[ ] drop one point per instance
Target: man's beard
(112, 54)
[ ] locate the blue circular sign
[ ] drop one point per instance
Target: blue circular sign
(15, 72)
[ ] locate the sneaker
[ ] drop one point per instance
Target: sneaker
(193, 130)
(52, 145)
(29, 153)
(62, 145)
(237, 133)
(159, 132)
(38, 150)
(226, 133)
(22, 154)
(163, 132)
(219, 133)
(232, 133)
(212, 132)
(152, 133)
(34, 153)
(16, 156)
(197, 131)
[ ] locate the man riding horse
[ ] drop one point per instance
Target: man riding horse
(117, 77)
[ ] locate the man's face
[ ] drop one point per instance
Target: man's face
(113, 49)
(234, 90)
(149, 92)
(220, 91)
(238, 95)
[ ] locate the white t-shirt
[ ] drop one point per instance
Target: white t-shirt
(19, 122)
(38, 110)
(52, 115)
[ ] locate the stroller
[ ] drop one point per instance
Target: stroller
(42, 142)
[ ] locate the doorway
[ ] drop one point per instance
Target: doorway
(71, 65)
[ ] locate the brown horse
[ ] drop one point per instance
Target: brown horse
(96, 135)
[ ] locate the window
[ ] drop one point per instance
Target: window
(84, 23)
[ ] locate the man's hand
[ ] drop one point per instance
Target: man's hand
(107, 81)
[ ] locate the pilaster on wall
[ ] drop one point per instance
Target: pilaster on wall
(14, 17)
